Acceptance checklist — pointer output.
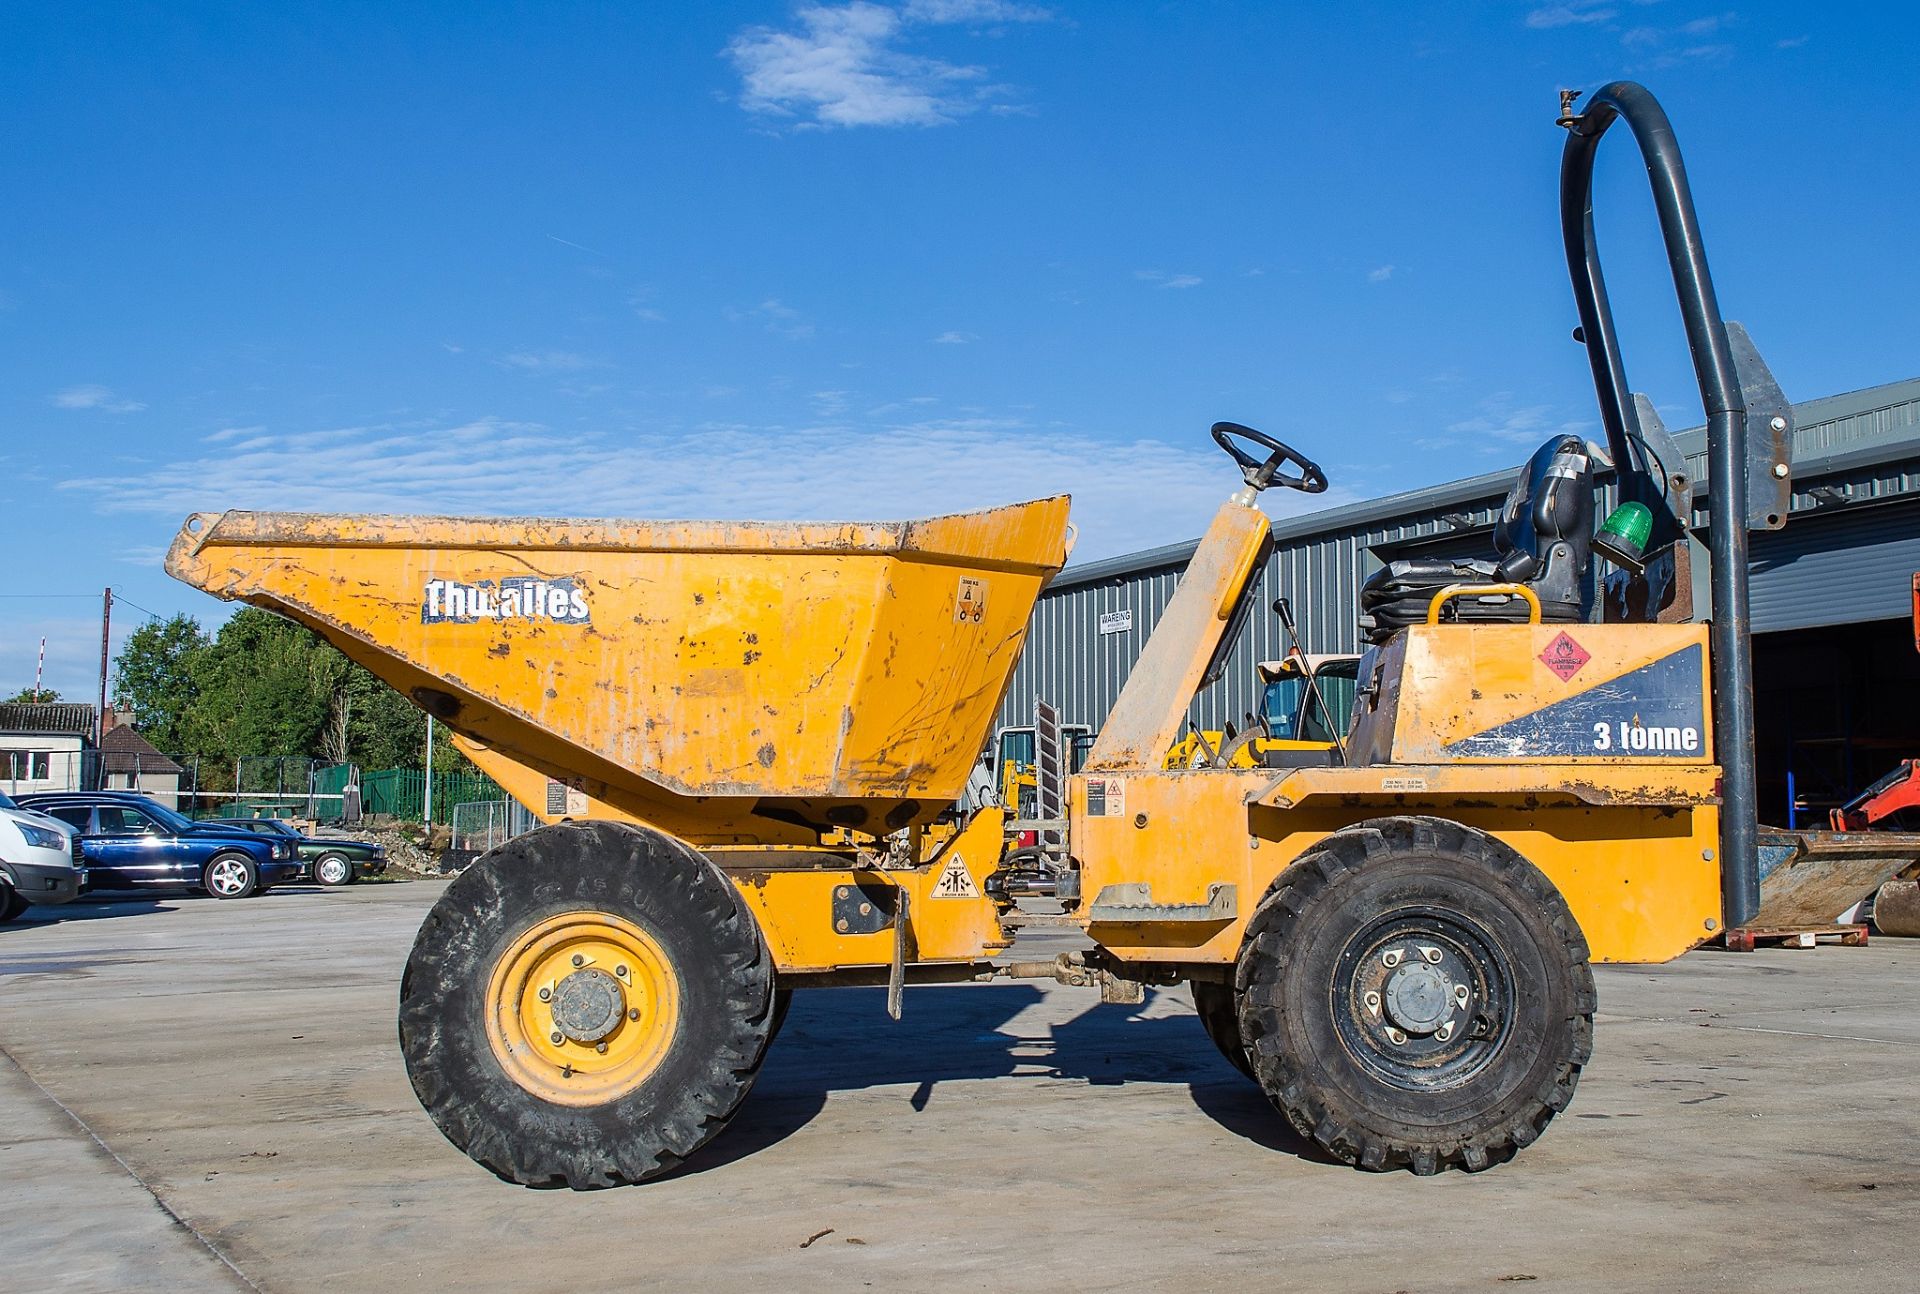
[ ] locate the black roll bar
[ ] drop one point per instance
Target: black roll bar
(1720, 393)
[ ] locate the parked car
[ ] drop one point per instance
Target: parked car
(38, 860)
(129, 842)
(329, 861)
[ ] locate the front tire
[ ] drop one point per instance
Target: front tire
(230, 876)
(586, 1005)
(11, 904)
(1219, 1010)
(332, 870)
(1416, 994)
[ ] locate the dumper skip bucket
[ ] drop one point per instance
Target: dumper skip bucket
(818, 662)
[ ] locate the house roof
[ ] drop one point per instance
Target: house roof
(53, 718)
(123, 750)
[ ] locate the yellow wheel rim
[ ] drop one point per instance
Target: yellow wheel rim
(582, 1008)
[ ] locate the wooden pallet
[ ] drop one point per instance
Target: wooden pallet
(1745, 939)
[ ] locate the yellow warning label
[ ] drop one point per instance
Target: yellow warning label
(955, 882)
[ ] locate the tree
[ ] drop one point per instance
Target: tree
(264, 685)
(33, 696)
(155, 674)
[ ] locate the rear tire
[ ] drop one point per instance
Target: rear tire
(598, 915)
(1416, 994)
(1218, 1007)
(332, 870)
(230, 876)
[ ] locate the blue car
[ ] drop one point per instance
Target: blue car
(128, 842)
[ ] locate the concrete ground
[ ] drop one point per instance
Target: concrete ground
(197, 1092)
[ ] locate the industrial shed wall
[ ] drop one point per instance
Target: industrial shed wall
(1846, 555)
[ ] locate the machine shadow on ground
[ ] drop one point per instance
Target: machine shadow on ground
(838, 1040)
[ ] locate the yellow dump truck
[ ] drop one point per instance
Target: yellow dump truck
(1396, 947)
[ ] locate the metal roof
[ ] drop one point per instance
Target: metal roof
(1832, 434)
(54, 718)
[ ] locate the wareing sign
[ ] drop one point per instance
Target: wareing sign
(513, 598)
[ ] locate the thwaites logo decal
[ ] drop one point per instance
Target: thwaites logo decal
(1564, 657)
(522, 598)
(1654, 712)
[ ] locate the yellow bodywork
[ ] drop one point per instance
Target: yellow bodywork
(788, 697)
(683, 671)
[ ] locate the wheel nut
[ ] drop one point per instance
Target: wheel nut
(633, 1013)
(1372, 999)
(546, 995)
(578, 960)
(1443, 1033)
(1396, 1037)
(1460, 994)
(600, 1047)
(1390, 958)
(557, 1037)
(1431, 954)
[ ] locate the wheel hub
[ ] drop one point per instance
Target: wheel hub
(1423, 999)
(582, 1007)
(588, 1005)
(1419, 997)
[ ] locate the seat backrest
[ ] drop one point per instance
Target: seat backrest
(1545, 533)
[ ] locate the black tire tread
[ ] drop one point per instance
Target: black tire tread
(1218, 1007)
(660, 1124)
(1292, 1083)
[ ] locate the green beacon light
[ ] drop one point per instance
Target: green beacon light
(1623, 536)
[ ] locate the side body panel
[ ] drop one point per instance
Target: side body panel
(1641, 879)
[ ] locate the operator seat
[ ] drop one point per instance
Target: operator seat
(1542, 540)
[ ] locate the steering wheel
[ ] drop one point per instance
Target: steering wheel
(1261, 473)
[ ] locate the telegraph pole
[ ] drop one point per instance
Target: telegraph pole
(106, 626)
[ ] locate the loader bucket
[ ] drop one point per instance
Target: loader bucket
(826, 673)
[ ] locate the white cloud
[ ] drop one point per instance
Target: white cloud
(1501, 422)
(844, 67)
(1166, 280)
(777, 317)
(1129, 494)
(1569, 15)
(547, 361)
(93, 397)
(951, 338)
(1380, 274)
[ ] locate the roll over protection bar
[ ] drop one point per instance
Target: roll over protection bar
(1727, 459)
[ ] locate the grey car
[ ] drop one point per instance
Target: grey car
(38, 860)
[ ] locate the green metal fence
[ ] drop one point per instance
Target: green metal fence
(401, 792)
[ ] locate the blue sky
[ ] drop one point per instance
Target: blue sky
(776, 260)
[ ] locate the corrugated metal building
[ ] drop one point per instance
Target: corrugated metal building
(1845, 558)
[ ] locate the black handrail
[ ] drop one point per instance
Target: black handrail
(1726, 436)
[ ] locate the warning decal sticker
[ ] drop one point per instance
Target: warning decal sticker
(1106, 797)
(1564, 656)
(955, 882)
(970, 600)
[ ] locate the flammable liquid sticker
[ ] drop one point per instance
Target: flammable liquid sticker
(1654, 712)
